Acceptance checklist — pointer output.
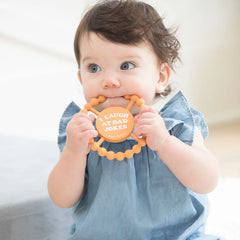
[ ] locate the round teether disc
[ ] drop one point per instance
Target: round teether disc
(115, 124)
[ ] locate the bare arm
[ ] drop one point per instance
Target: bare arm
(194, 166)
(66, 181)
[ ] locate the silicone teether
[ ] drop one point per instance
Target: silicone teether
(115, 124)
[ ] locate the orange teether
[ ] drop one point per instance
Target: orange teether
(115, 124)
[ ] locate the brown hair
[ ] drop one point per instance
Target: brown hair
(129, 22)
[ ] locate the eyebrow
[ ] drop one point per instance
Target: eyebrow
(87, 58)
(132, 56)
(122, 57)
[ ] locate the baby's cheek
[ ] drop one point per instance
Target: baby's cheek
(89, 91)
(149, 97)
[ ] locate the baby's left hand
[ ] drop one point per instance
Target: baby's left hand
(150, 123)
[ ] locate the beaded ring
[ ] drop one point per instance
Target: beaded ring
(115, 124)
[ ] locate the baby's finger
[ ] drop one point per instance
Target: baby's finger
(146, 118)
(136, 118)
(92, 117)
(82, 115)
(144, 115)
(144, 121)
(78, 126)
(146, 109)
(87, 125)
(89, 134)
(142, 130)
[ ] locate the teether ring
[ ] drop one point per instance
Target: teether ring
(115, 124)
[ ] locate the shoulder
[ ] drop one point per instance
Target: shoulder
(181, 119)
(67, 115)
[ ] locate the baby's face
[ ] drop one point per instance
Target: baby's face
(114, 70)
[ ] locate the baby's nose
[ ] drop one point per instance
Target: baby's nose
(110, 81)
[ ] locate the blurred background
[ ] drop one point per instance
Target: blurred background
(38, 76)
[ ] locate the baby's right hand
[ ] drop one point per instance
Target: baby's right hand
(80, 130)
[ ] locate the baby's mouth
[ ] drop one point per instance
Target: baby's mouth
(116, 100)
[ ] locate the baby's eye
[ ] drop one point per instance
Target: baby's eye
(127, 66)
(94, 68)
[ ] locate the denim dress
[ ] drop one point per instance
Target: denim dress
(139, 198)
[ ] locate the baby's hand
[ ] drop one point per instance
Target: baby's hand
(80, 130)
(151, 124)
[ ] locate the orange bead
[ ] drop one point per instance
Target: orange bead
(94, 102)
(136, 149)
(94, 146)
(101, 98)
(140, 102)
(142, 142)
(120, 156)
(110, 155)
(129, 153)
(134, 98)
(102, 152)
(88, 106)
(127, 97)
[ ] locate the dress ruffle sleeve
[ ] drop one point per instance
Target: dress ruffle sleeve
(66, 117)
(181, 119)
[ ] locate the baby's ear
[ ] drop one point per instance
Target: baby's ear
(79, 76)
(164, 75)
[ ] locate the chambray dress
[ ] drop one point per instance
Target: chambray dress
(139, 198)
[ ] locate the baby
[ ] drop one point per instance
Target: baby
(123, 48)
